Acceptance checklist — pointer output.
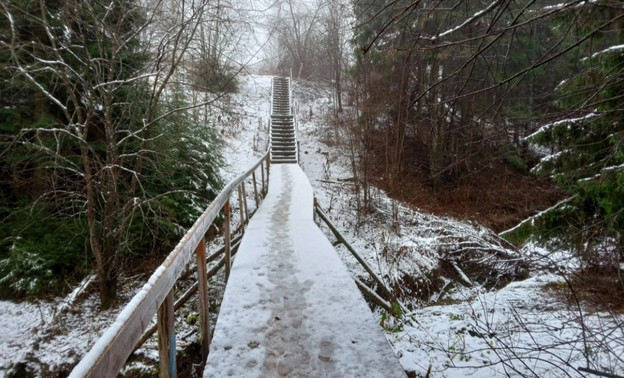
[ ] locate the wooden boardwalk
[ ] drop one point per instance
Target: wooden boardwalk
(290, 307)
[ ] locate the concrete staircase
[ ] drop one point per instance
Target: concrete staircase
(283, 131)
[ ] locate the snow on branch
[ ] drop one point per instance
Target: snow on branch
(50, 63)
(571, 4)
(612, 49)
(570, 121)
(45, 92)
(468, 21)
(126, 81)
(611, 168)
(533, 218)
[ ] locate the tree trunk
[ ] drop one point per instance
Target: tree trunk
(338, 88)
(108, 275)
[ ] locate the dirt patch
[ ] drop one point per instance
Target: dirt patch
(596, 288)
(493, 192)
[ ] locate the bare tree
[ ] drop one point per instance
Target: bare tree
(334, 35)
(296, 26)
(105, 68)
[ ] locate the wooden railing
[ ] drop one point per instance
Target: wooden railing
(387, 299)
(111, 351)
(293, 110)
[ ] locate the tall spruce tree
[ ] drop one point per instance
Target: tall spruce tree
(588, 145)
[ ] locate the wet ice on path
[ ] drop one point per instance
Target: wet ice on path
(290, 307)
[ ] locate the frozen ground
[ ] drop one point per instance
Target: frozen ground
(462, 330)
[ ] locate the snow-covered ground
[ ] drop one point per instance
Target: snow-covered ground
(521, 329)
(459, 330)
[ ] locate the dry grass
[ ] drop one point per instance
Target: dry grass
(596, 288)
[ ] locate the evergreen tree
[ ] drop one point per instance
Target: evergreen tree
(99, 151)
(446, 76)
(588, 146)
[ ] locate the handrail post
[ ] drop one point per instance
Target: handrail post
(204, 307)
(166, 338)
(255, 187)
(262, 177)
(241, 210)
(228, 247)
(268, 172)
(244, 194)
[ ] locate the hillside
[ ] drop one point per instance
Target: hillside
(475, 305)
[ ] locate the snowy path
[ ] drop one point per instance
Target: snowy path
(290, 307)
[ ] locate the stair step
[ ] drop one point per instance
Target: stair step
(285, 162)
(280, 155)
(283, 143)
(282, 152)
(284, 146)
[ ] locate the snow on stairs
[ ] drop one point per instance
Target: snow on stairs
(290, 307)
(283, 135)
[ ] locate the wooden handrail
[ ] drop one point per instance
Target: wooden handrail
(381, 285)
(112, 349)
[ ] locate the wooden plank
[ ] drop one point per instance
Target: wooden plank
(244, 194)
(166, 338)
(226, 236)
(262, 178)
(255, 187)
(192, 290)
(204, 307)
(278, 315)
(370, 294)
(111, 351)
(240, 208)
(221, 250)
